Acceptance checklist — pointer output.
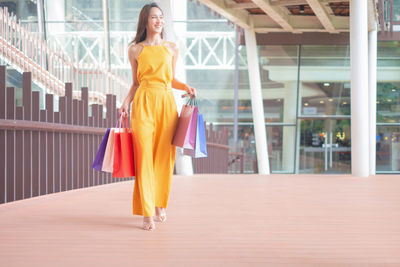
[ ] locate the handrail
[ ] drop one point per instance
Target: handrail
(50, 66)
(48, 126)
(67, 128)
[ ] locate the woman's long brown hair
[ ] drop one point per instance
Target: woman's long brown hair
(142, 23)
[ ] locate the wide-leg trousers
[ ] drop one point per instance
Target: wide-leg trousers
(153, 121)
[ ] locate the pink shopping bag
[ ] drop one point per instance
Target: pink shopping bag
(185, 133)
(109, 153)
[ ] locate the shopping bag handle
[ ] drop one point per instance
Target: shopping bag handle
(124, 122)
(191, 102)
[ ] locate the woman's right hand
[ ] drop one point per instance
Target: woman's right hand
(123, 110)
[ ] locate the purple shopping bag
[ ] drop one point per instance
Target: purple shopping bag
(200, 150)
(185, 133)
(98, 161)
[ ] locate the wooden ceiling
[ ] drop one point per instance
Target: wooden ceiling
(296, 16)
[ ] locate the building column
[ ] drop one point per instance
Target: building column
(40, 17)
(372, 63)
(289, 132)
(177, 10)
(236, 93)
(55, 12)
(106, 34)
(359, 88)
(257, 102)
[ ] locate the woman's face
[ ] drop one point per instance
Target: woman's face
(155, 21)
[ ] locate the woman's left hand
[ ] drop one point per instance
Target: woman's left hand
(190, 90)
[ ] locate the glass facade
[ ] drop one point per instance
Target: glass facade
(305, 88)
(324, 120)
(279, 81)
(306, 94)
(388, 108)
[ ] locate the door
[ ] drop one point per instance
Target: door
(324, 145)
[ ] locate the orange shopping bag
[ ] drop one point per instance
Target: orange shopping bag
(123, 165)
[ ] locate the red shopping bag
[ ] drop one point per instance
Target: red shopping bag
(123, 165)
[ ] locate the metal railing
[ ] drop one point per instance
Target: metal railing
(200, 50)
(47, 151)
(220, 159)
(50, 66)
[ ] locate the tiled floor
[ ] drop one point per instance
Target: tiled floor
(213, 220)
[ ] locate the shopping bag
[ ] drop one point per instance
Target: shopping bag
(200, 150)
(109, 153)
(185, 132)
(98, 160)
(123, 165)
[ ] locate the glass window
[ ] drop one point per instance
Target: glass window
(88, 10)
(124, 14)
(388, 87)
(26, 11)
(281, 148)
(325, 80)
(279, 75)
(396, 10)
(325, 146)
(388, 148)
(388, 107)
(279, 72)
(198, 11)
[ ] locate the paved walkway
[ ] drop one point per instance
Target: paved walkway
(213, 220)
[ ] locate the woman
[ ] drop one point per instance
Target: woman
(154, 114)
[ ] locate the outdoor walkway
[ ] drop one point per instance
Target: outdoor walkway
(213, 220)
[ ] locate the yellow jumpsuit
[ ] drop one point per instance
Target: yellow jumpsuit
(154, 117)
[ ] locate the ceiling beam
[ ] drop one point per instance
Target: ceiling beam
(242, 5)
(301, 30)
(264, 24)
(322, 15)
(275, 13)
(300, 2)
(239, 17)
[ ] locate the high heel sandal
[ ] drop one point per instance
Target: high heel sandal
(149, 226)
(162, 217)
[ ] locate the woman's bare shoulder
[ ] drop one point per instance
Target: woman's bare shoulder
(172, 46)
(134, 50)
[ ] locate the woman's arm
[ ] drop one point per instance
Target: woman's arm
(132, 55)
(133, 51)
(175, 83)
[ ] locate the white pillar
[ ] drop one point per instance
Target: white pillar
(257, 102)
(40, 17)
(359, 88)
(176, 10)
(106, 34)
(55, 11)
(372, 54)
(289, 132)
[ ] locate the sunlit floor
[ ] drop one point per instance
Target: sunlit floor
(223, 220)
